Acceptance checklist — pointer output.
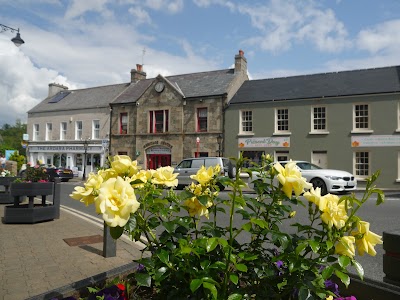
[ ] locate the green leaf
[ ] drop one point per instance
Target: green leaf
(235, 297)
(260, 223)
(247, 226)
(218, 265)
(222, 242)
(116, 232)
(304, 294)
(343, 277)
(329, 245)
(143, 279)
(170, 226)
(300, 248)
(131, 225)
(211, 244)
(344, 261)
(234, 278)
(203, 200)
(314, 246)
(212, 289)
(359, 269)
(381, 198)
(327, 272)
(159, 273)
(247, 256)
(241, 267)
(164, 257)
(195, 284)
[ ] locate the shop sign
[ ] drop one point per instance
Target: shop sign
(154, 143)
(158, 150)
(375, 141)
(66, 148)
(264, 142)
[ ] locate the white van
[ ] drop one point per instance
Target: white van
(190, 166)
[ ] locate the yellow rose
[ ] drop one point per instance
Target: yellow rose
(291, 180)
(94, 181)
(83, 195)
(108, 173)
(194, 207)
(313, 195)
(165, 176)
(203, 175)
(329, 297)
(116, 201)
(334, 212)
(124, 166)
(346, 246)
(142, 175)
(365, 239)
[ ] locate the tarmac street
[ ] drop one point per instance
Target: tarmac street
(36, 262)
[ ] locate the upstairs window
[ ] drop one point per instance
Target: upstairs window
(361, 120)
(35, 132)
(319, 119)
(123, 123)
(282, 120)
(96, 129)
(63, 131)
(202, 119)
(49, 131)
(246, 121)
(78, 130)
(158, 121)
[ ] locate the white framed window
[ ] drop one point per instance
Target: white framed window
(159, 120)
(96, 129)
(246, 121)
(35, 132)
(63, 131)
(281, 155)
(282, 121)
(361, 118)
(319, 119)
(202, 119)
(362, 164)
(49, 131)
(78, 130)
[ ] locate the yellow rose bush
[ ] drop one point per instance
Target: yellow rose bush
(200, 243)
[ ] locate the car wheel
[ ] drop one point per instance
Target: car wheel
(318, 182)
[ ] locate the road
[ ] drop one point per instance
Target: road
(382, 218)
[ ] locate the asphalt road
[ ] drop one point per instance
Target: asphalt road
(385, 217)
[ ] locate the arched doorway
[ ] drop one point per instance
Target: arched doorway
(158, 156)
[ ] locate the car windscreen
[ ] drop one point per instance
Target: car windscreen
(308, 166)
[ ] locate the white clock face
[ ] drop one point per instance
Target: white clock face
(159, 87)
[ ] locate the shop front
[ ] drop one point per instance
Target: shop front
(158, 156)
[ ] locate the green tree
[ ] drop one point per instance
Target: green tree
(11, 137)
(20, 159)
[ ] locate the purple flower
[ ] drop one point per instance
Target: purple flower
(346, 298)
(279, 264)
(333, 287)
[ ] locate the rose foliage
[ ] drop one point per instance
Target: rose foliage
(192, 252)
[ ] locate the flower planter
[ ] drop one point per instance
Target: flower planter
(5, 196)
(31, 212)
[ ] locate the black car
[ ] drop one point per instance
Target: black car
(63, 173)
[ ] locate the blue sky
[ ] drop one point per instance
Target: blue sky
(97, 42)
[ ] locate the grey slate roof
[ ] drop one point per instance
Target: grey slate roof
(346, 83)
(82, 99)
(192, 85)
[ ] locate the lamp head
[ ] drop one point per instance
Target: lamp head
(17, 40)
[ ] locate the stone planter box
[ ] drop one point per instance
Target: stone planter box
(33, 213)
(5, 196)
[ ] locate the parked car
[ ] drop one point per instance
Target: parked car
(54, 172)
(329, 180)
(190, 166)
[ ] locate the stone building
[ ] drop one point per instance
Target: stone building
(160, 121)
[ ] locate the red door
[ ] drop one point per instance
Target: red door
(155, 161)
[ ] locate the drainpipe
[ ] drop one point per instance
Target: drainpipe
(110, 134)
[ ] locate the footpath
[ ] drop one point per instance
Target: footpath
(51, 260)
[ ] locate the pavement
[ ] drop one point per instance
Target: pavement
(36, 262)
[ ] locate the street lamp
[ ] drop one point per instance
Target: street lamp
(85, 147)
(219, 141)
(17, 39)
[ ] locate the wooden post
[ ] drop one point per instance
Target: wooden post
(109, 244)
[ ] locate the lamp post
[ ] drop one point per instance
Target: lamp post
(219, 141)
(17, 39)
(85, 147)
(198, 145)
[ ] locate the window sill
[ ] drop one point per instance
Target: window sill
(362, 131)
(246, 134)
(398, 180)
(397, 130)
(282, 133)
(361, 178)
(318, 132)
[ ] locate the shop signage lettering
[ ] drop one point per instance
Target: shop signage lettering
(264, 142)
(63, 148)
(375, 141)
(155, 143)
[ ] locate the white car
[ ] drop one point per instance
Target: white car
(330, 181)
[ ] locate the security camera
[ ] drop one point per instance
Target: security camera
(137, 103)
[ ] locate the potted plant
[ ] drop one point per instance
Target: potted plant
(34, 182)
(6, 177)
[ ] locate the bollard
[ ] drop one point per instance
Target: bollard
(109, 244)
(391, 258)
(57, 197)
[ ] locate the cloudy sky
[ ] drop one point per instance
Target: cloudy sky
(97, 42)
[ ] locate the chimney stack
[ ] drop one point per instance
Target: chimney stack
(240, 62)
(55, 88)
(138, 74)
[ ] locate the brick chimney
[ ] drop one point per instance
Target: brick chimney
(54, 88)
(138, 74)
(240, 62)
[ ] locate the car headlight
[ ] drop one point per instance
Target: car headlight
(334, 177)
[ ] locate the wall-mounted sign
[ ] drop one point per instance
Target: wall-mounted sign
(66, 148)
(375, 141)
(264, 142)
(158, 150)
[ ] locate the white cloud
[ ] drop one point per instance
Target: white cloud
(79, 8)
(383, 37)
(140, 15)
